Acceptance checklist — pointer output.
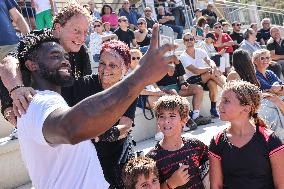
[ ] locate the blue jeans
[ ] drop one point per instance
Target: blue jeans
(177, 29)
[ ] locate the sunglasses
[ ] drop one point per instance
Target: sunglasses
(134, 58)
(95, 26)
(140, 23)
(124, 20)
(218, 27)
(263, 58)
(189, 39)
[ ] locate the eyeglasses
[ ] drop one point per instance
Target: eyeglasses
(237, 25)
(189, 39)
(134, 58)
(95, 26)
(112, 66)
(218, 27)
(263, 58)
(140, 23)
(266, 23)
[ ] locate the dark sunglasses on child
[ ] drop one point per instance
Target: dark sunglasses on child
(134, 58)
(189, 39)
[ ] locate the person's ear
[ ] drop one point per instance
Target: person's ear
(31, 66)
(57, 28)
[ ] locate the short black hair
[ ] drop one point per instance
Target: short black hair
(27, 50)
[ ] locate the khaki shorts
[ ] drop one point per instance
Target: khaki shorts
(6, 49)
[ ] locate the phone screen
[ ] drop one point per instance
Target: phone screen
(166, 36)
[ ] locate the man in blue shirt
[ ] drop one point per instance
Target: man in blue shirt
(9, 39)
(130, 15)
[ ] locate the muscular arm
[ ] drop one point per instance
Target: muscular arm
(19, 20)
(99, 113)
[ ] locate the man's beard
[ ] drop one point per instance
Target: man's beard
(55, 77)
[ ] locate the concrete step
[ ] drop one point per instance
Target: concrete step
(12, 168)
(5, 127)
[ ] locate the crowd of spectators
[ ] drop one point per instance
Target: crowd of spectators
(216, 52)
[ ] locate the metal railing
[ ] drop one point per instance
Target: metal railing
(249, 13)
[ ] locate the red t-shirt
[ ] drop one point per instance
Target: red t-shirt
(225, 38)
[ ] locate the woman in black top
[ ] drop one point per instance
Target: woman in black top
(114, 147)
(246, 155)
(142, 35)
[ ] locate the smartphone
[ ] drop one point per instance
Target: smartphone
(166, 35)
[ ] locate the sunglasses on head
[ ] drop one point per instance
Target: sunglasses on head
(263, 58)
(134, 58)
(95, 26)
(217, 27)
(189, 39)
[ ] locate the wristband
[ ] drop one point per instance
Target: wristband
(168, 184)
(14, 88)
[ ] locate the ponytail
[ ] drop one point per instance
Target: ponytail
(259, 121)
